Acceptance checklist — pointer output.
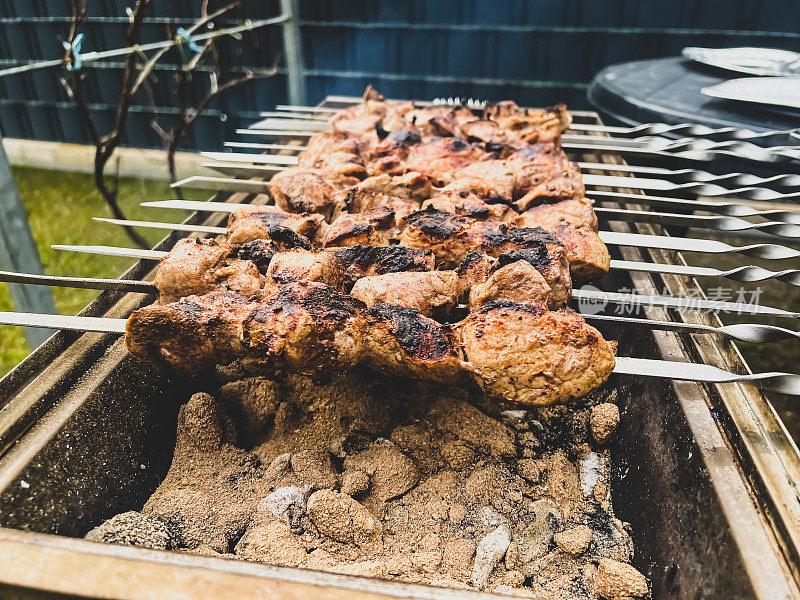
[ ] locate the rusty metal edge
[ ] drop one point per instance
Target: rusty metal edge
(50, 563)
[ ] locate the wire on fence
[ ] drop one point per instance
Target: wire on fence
(191, 41)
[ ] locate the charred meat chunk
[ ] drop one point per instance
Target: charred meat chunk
(197, 266)
(254, 222)
(306, 327)
(403, 341)
(363, 261)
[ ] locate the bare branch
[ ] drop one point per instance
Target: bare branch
(136, 72)
(148, 67)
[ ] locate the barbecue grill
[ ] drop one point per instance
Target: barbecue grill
(706, 474)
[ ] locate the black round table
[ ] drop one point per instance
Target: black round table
(667, 90)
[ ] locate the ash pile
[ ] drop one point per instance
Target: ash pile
(395, 480)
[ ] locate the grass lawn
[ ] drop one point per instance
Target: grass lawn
(60, 206)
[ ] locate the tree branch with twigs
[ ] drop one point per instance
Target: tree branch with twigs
(136, 72)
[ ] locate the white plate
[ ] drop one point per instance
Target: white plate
(778, 91)
(753, 61)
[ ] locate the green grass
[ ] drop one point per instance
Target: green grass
(60, 207)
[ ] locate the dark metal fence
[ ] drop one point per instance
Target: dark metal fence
(536, 51)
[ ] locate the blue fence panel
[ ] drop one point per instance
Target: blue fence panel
(538, 52)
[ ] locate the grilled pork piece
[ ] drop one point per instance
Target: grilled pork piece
(515, 282)
(386, 156)
(382, 190)
(254, 222)
(534, 357)
(433, 293)
(544, 174)
(438, 158)
(197, 266)
(365, 117)
(504, 123)
(439, 121)
(550, 263)
(474, 269)
(402, 341)
(587, 254)
(530, 125)
(451, 237)
(498, 177)
(306, 327)
(505, 120)
(574, 223)
(302, 190)
(364, 261)
(307, 265)
(373, 227)
(322, 145)
(469, 204)
(576, 211)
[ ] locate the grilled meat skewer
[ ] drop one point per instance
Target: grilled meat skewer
(513, 123)
(519, 353)
(452, 235)
(197, 266)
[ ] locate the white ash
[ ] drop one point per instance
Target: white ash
(488, 554)
(287, 504)
(592, 469)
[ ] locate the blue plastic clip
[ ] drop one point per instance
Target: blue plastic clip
(187, 37)
(75, 49)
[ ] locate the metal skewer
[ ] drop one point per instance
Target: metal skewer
(660, 144)
(276, 133)
(708, 190)
(775, 155)
(257, 187)
(87, 324)
(785, 137)
(595, 297)
(591, 296)
(690, 148)
(695, 175)
(749, 332)
(691, 188)
(730, 209)
(719, 223)
(693, 155)
(785, 383)
(765, 251)
(744, 332)
(690, 181)
(772, 137)
(86, 283)
(741, 180)
(766, 138)
(264, 159)
(747, 273)
(255, 145)
(312, 109)
(171, 226)
(113, 251)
